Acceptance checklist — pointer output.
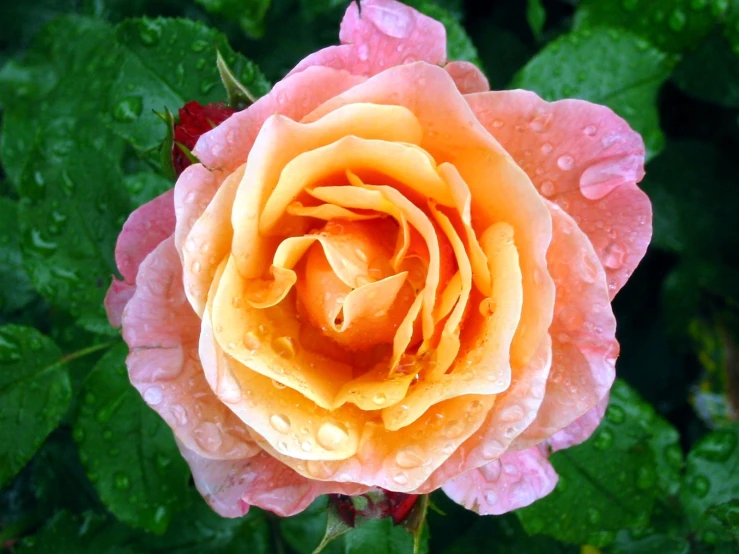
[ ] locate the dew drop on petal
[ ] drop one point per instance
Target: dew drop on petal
(410, 457)
(280, 423)
(566, 162)
(547, 188)
(331, 435)
(153, 396)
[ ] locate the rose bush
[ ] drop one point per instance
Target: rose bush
(382, 274)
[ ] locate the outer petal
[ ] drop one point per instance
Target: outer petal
(228, 145)
(580, 430)
(515, 480)
(231, 486)
(468, 77)
(162, 331)
(583, 333)
(144, 229)
(385, 34)
(587, 160)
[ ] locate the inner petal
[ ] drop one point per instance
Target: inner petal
(349, 291)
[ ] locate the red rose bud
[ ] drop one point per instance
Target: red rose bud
(195, 120)
(375, 504)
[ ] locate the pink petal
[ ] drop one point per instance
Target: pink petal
(468, 77)
(385, 34)
(228, 145)
(144, 229)
(116, 299)
(580, 430)
(193, 191)
(587, 160)
(162, 333)
(512, 413)
(583, 333)
(231, 486)
(515, 480)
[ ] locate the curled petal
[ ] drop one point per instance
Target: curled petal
(500, 190)
(386, 33)
(161, 331)
(580, 430)
(231, 486)
(227, 146)
(515, 480)
(583, 333)
(468, 77)
(584, 158)
(116, 299)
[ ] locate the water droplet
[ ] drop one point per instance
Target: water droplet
(410, 457)
(196, 267)
(379, 398)
(614, 256)
(306, 446)
(121, 481)
(153, 396)
(363, 52)
(401, 478)
(393, 22)
(546, 148)
(198, 46)
(717, 446)
(208, 436)
(453, 429)
(331, 435)
(320, 469)
(566, 162)
(677, 21)
(547, 188)
(497, 123)
(590, 130)
(491, 497)
(284, 347)
(179, 413)
(604, 439)
(150, 32)
(280, 423)
(615, 414)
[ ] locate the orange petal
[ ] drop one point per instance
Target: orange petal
(281, 140)
(500, 190)
(483, 367)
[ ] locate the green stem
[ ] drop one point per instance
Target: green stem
(276, 535)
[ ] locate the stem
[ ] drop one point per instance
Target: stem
(86, 351)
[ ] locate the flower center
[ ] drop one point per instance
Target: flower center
(349, 290)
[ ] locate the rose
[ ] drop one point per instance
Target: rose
(384, 275)
(194, 120)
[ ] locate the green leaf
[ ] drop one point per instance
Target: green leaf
(671, 25)
(65, 165)
(34, 395)
(145, 186)
(16, 291)
(86, 534)
(335, 528)
(605, 66)
(59, 479)
(711, 73)
(459, 46)
(380, 536)
(128, 451)
(606, 484)
(728, 515)
(536, 15)
(166, 63)
(303, 532)
(249, 14)
(239, 96)
(649, 544)
(415, 523)
(199, 529)
(711, 479)
(504, 535)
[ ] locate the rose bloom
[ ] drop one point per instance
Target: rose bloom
(382, 274)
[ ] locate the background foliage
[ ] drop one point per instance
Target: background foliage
(85, 466)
